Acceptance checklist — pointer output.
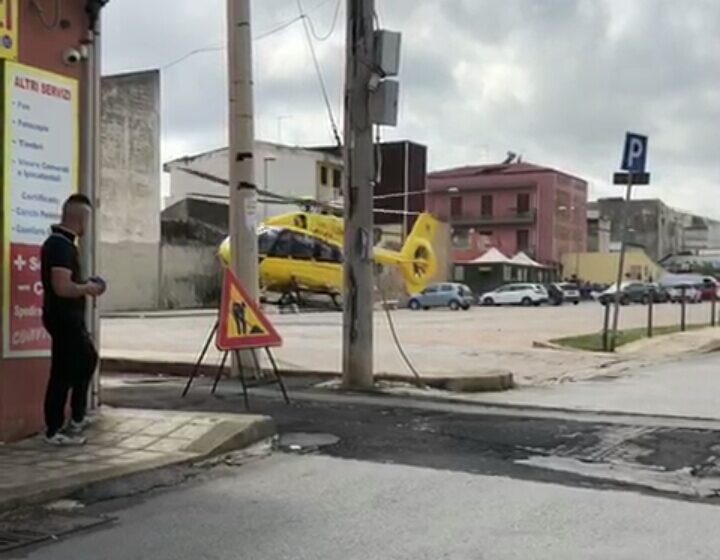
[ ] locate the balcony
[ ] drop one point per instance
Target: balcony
(505, 219)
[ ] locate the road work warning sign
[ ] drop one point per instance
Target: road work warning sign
(243, 325)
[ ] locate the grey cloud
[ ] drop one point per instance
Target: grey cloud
(558, 80)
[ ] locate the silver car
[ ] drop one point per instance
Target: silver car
(451, 295)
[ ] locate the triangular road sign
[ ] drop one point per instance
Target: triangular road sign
(242, 326)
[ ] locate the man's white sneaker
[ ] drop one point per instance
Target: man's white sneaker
(75, 428)
(64, 440)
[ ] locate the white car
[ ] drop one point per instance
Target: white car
(516, 294)
(692, 294)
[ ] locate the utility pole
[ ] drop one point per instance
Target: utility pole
(243, 191)
(358, 193)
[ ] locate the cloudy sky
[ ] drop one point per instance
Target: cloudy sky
(558, 81)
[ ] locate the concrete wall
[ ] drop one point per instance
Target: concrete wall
(130, 191)
(294, 172)
(191, 271)
(191, 276)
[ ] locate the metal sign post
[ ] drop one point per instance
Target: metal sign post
(633, 162)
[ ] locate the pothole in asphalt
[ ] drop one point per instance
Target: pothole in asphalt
(302, 442)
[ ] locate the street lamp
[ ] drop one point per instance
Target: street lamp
(266, 160)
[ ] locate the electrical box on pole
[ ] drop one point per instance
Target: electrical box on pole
(385, 94)
(387, 53)
(384, 103)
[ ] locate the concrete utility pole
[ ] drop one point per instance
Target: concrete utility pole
(360, 176)
(243, 192)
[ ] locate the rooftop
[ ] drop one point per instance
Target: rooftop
(517, 168)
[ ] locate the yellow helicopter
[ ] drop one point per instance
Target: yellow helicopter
(303, 251)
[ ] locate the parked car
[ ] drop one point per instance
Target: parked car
(630, 292)
(659, 293)
(690, 293)
(454, 296)
(516, 294)
(571, 292)
(707, 285)
(709, 289)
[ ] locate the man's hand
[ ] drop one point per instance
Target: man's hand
(94, 289)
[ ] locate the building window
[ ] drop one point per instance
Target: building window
(323, 175)
(486, 205)
(337, 178)
(523, 203)
(523, 239)
(459, 274)
(456, 206)
(460, 239)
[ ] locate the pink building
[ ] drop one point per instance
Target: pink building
(513, 207)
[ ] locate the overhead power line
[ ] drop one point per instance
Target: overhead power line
(333, 25)
(321, 80)
(265, 34)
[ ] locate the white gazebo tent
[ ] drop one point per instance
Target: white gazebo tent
(523, 260)
(492, 256)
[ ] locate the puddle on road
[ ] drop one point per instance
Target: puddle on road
(302, 442)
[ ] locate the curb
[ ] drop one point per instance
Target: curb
(495, 380)
(184, 369)
(223, 438)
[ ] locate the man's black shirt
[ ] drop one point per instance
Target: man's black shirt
(59, 251)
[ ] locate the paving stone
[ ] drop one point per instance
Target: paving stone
(190, 432)
(168, 445)
(137, 442)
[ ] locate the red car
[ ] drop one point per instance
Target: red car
(710, 288)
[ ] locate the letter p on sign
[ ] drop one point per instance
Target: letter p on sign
(635, 153)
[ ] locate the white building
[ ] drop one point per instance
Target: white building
(283, 170)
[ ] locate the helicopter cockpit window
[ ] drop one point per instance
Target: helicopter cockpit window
(303, 247)
(293, 245)
(283, 245)
(324, 252)
(266, 240)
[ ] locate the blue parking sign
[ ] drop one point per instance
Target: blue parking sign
(635, 153)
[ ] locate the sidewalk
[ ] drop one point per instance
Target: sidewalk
(121, 442)
(443, 350)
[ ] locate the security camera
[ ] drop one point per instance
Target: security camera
(72, 56)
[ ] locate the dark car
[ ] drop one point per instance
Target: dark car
(659, 293)
(630, 292)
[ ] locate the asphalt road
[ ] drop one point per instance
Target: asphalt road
(468, 438)
(316, 507)
(361, 476)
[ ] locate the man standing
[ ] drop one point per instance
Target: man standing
(74, 357)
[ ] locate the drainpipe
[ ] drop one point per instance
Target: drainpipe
(90, 176)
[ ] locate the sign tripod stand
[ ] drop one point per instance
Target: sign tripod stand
(241, 325)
